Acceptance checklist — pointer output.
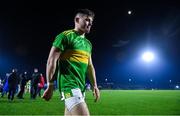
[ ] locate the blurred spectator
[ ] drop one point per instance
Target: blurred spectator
(34, 83)
(41, 84)
(5, 86)
(23, 81)
(12, 83)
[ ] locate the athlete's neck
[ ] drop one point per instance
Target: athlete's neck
(79, 31)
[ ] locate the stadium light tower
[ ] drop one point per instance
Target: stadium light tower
(148, 56)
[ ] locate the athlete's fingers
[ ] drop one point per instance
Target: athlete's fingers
(97, 94)
(46, 98)
(97, 97)
(46, 95)
(94, 94)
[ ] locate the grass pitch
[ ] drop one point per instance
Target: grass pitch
(112, 102)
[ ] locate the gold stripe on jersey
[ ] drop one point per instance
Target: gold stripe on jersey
(76, 55)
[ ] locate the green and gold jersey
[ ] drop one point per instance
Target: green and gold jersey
(72, 66)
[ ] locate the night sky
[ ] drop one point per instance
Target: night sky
(27, 30)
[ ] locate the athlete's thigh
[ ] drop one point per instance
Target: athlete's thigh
(66, 112)
(80, 109)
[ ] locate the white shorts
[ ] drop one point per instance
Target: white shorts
(76, 98)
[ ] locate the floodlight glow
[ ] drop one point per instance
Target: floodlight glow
(177, 87)
(148, 56)
(129, 12)
(170, 81)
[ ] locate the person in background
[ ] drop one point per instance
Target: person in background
(23, 81)
(5, 85)
(41, 84)
(34, 83)
(12, 83)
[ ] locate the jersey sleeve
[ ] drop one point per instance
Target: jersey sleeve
(59, 41)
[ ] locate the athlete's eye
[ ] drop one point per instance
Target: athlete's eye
(89, 20)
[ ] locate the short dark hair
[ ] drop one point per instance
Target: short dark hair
(85, 12)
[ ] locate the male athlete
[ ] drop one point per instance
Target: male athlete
(72, 51)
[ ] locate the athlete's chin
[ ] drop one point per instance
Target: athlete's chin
(87, 31)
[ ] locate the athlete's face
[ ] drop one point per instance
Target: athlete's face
(84, 23)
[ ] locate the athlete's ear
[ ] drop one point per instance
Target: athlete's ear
(76, 20)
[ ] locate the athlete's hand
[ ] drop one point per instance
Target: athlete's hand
(96, 93)
(48, 93)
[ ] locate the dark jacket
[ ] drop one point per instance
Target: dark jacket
(13, 80)
(35, 79)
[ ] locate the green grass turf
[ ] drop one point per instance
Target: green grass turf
(112, 102)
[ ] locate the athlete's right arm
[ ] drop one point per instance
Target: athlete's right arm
(50, 70)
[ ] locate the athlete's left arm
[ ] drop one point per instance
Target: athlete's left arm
(92, 78)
